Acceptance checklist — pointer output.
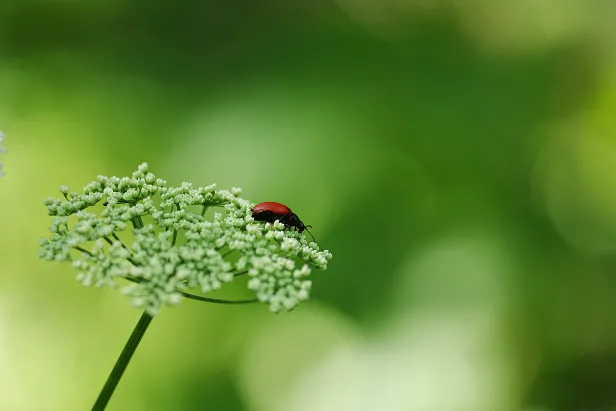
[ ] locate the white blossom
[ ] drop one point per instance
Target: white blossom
(175, 250)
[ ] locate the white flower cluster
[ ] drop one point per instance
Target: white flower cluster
(175, 249)
(2, 150)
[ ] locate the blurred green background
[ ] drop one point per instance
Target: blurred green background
(457, 157)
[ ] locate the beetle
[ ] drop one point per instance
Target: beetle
(270, 211)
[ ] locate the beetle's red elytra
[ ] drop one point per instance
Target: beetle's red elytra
(270, 211)
(276, 208)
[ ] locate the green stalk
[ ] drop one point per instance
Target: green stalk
(138, 222)
(122, 362)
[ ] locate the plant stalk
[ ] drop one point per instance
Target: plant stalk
(122, 362)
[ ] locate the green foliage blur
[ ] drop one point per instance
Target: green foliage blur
(457, 157)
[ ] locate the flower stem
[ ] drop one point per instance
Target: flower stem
(137, 222)
(122, 362)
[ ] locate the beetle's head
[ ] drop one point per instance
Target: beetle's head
(301, 226)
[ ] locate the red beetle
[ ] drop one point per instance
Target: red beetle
(270, 212)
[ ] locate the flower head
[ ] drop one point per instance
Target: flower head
(174, 247)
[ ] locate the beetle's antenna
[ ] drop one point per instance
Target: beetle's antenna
(306, 228)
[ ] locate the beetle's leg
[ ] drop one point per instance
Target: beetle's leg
(266, 216)
(284, 220)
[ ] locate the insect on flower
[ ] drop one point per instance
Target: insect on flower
(270, 212)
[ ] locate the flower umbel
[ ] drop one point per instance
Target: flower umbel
(174, 247)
